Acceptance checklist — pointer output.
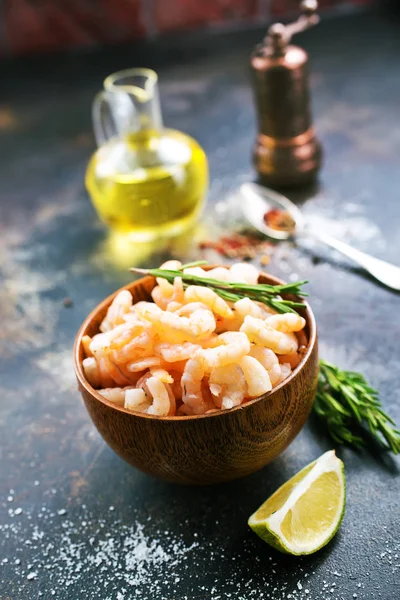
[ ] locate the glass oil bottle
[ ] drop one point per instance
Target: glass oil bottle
(144, 180)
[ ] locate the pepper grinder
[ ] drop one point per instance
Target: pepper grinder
(287, 152)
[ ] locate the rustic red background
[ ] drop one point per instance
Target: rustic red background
(46, 25)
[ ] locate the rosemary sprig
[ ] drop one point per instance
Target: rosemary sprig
(347, 403)
(262, 292)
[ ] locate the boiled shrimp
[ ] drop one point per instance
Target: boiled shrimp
(188, 309)
(114, 394)
(242, 308)
(244, 273)
(119, 374)
(142, 385)
(91, 370)
(257, 377)
(259, 332)
(173, 306)
(286, 323)
(171, 265)
(99, 346)
(285, 371)
(136, 399)
(145, 363)
(232, 345)
(176, 385)
(245, 306)
(163, 292)
(162, 296)
(197, 271)
(133, 314)
(200, 323)
(192, 389)
(219, 273)
(172, 353)
(198, 293)
(86, 341)
(161, 374)
(269, 361)
(232, 324)
(163, 403)
(104, 365)
(177, 298)
(121, 305)
(228, 386)
(133, 344)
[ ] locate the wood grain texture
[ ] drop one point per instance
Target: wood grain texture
(211, 448)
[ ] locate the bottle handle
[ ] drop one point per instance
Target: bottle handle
(113, 115)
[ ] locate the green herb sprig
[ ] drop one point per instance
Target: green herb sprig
(261, 292)
(347, 403)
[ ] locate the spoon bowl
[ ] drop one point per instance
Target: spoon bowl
(259, 200)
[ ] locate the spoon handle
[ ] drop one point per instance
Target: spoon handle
(383, 271)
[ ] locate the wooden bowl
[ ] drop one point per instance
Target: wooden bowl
(203, 449)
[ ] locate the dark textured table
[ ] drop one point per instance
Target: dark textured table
(76, 521)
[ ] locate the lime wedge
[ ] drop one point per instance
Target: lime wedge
(304, 514)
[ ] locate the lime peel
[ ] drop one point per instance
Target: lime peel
(304, 514)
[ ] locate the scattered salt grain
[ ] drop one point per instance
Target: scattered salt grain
(17, 511)
(61, 512)
(36, 482)
(112, 508)
(31, 575)
(10, 498)
(299, 586)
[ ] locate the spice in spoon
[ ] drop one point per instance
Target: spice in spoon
(280, 220)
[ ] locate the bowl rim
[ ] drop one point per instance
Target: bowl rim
(174, 418)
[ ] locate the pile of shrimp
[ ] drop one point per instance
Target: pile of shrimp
(190, 352)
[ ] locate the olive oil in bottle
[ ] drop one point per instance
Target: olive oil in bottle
(143, 179)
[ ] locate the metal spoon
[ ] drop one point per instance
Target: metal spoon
(258, 200)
